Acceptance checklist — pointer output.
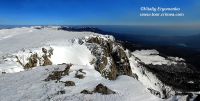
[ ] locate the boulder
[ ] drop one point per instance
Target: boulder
(69, 83)
(56, 75)
(100, 88)
(86, 92)
(80, 74)
(44, 50)
(61, 92)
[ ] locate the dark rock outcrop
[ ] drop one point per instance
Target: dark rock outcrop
(111, 59)
(100, 88)
(80, 74)
(154, 92)
(56, 75)
(69, 83)
(121, 60)
(47, 54)
(35, 60)
(61, 92)
(32, 61)
(86, 92)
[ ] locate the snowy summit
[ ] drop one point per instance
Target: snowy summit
(47, 63)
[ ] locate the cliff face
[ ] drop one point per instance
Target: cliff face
(111, 60)
(164, 76)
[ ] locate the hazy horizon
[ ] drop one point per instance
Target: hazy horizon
(171, 30)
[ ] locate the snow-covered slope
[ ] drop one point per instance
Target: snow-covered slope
(153, 57)
(34, 60)
(30, 85)
(22, 42)
(67, 48)
(12, 40)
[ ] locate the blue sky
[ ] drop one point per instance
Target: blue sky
(93, 12)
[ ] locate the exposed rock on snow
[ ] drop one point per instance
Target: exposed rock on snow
(46, 56)
(69, 83)
(30, 85)
(57, 75)
(35, 60)
(80, 74)
(100, 88)
(86, 92)
(32, 61)
(111, 60)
